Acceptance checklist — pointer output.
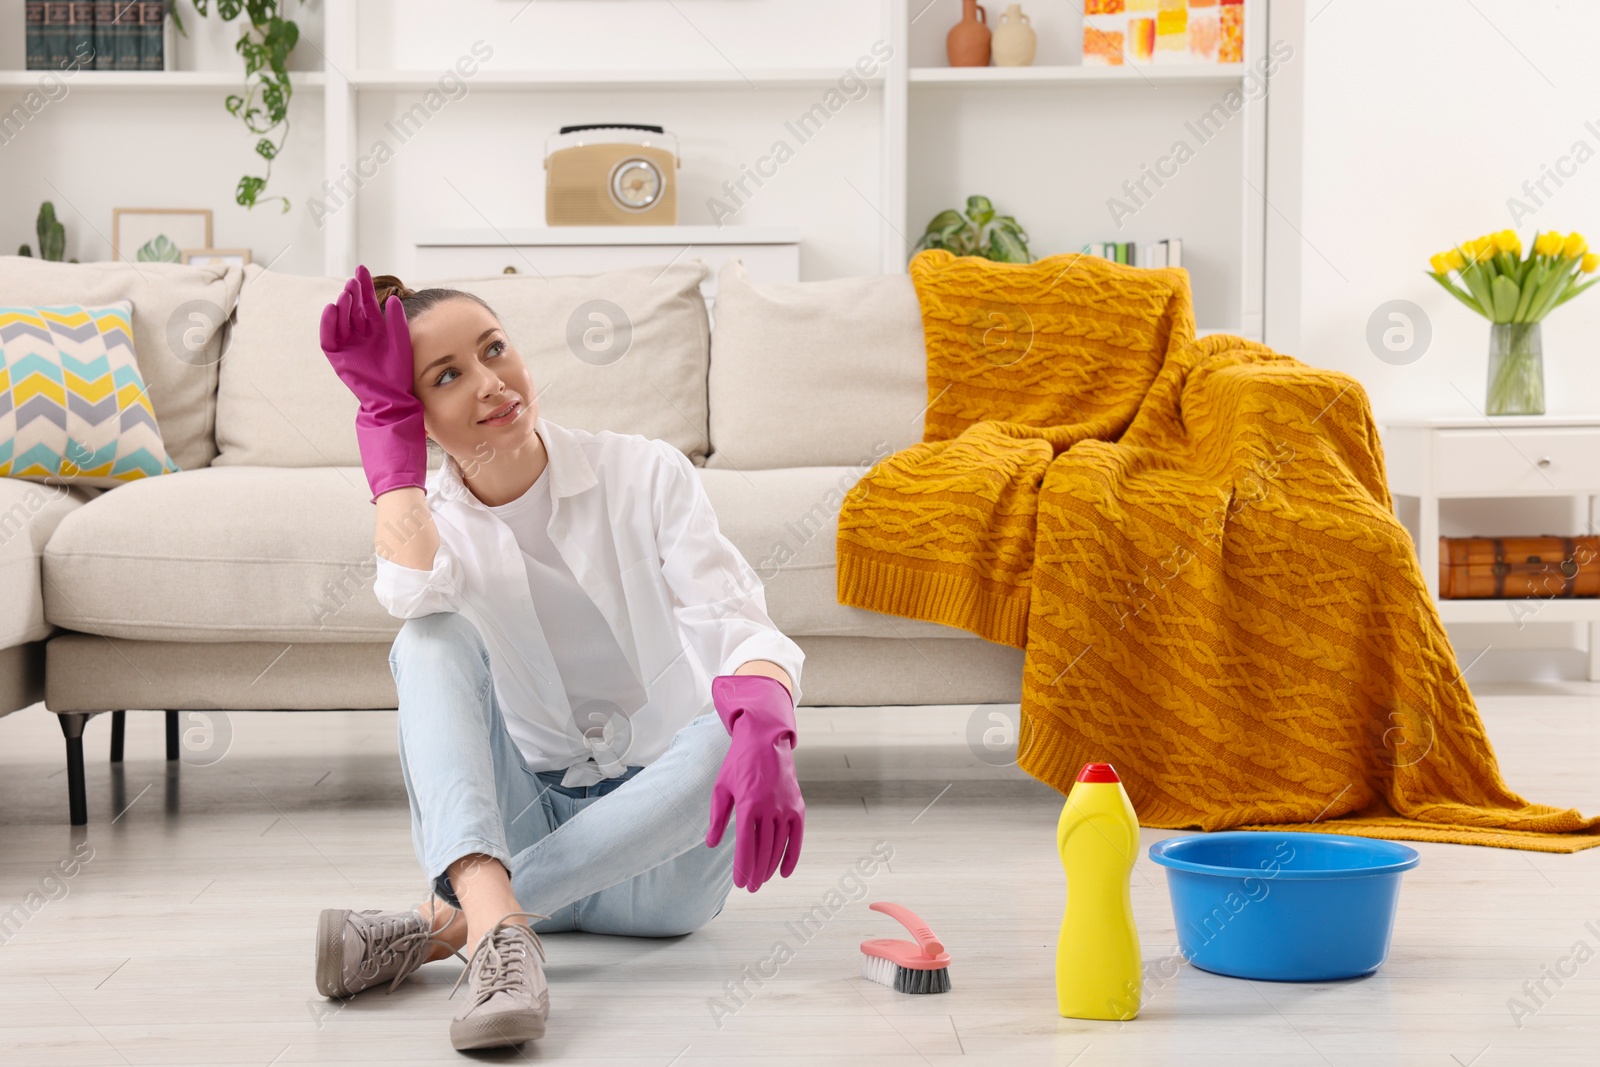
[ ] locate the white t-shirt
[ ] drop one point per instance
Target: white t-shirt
(600, 685)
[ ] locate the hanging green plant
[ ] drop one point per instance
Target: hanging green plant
(264, 105)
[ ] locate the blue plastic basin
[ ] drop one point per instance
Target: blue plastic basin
(1292, 907)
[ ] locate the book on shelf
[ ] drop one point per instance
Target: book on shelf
(108, 16)
(1168, 253)
(34, 54)
(152, 20)
(95, 34)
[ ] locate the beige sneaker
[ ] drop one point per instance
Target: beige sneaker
(508, 998)
(359, 949)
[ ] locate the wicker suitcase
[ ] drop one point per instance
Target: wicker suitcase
(1506, 567)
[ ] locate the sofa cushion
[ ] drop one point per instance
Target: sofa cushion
(785, 522)
(285, 554)
(180, 315)
(73, 405)
(813, 374)
(30, 512)
(222, 554)
(280, 403)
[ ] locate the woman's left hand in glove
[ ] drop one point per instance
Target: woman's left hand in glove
(757, 778)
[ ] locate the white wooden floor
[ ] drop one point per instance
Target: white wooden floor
(187, 937)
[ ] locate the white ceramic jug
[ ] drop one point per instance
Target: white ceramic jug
(1014, 40)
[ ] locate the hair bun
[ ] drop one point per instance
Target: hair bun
(386, 285)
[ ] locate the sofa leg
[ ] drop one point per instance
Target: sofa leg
(72, 725)
(172, 735)
(117, 728)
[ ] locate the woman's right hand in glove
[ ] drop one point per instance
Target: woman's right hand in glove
(370, 349)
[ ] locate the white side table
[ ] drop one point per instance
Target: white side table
(771, 254)
(1433, 459)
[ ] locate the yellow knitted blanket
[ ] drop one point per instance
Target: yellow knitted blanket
(1195, 544)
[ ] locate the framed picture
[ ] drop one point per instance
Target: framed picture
(158, 233)
(217, 257)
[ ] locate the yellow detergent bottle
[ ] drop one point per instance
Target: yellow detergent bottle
(1099, 974)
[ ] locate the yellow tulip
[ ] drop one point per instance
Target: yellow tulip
(1590, 262)
(1574, 246)
(1548, 244)
(1439, 263)
(1508, 241)
(1454, 260)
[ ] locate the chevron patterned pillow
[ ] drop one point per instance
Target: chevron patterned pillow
(73, 405)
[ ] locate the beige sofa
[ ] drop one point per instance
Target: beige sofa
(243, 582)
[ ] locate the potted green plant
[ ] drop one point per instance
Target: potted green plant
(52, 235)
(978, 232)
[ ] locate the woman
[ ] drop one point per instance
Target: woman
(587, 668)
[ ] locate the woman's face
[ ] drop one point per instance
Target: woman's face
(466, 372)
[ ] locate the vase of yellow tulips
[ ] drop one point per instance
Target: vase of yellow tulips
(1515, 292)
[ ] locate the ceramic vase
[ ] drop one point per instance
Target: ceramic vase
(968, 42)
(1014, 40)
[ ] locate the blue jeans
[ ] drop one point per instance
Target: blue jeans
(626, 855)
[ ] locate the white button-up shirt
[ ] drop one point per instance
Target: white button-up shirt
(632, 521)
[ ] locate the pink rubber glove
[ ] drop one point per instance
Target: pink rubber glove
(757, 777)
(371, 352)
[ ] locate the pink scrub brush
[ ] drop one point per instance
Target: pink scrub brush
(922, 966)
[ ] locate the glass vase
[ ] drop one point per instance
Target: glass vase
(1516, 369)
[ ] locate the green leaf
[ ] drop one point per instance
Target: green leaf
(1528, 286)
(979, 209)
(1005, 247)
(245, 193)
(1551, 290)
(1458, 294)
(1477, 282)
(1574, 291)
(1505, 298)
(159, 249)
(944, 220)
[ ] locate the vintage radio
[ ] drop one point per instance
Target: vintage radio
(1489, 567)
(620, 175)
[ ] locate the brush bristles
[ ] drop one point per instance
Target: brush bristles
(904, 979)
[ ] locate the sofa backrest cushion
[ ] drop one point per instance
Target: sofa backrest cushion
(814, 374)
(626, 351)
(180, 317)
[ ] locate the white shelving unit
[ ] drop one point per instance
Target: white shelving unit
(934, 137)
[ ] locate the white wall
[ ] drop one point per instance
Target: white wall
(1420, 120)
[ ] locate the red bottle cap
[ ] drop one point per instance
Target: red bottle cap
(1098, 772)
